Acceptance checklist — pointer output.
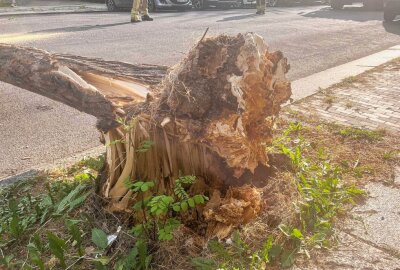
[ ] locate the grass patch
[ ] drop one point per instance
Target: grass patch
(361, 134)
(34, 215)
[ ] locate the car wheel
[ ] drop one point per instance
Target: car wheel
(272, 3)
(111, 5)
(239, 4)
(151, 5)
(198, 4)
(389, 16)
(337, 4)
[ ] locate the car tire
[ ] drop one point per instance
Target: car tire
(337, 4)
(240, 4)
(389, 16)
(151, 6)
(198, 4)
(272, 3)
(111, 7)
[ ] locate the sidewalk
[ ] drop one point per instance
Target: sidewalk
(369, 237)
(370, 100)
(51, 7)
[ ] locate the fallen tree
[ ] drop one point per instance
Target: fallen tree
(210, 116)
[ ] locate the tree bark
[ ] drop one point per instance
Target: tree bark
(210, 116)
(94, 86)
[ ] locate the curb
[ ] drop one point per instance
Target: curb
(312, 84)
(68, 161)
(33, 13)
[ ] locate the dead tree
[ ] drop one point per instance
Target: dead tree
(210, 116)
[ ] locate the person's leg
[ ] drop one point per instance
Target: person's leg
(14, 3)
(262, 6)
(258, 4)
(135, 11)
(144, 9)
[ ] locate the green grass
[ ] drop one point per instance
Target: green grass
(30, 209)
(361, 134)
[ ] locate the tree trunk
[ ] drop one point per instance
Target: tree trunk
(210, 116)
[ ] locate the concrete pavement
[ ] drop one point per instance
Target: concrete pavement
(37, 7)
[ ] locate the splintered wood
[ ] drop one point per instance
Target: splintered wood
(210, 116)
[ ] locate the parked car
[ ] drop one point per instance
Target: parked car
(391, 10)
(203, 4)
(154, 5)
(368, 4)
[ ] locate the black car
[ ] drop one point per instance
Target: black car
(154, 5)
(391, 10)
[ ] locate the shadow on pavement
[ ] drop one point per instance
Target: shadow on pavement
(239, 17)
(359, 14)
(79, 28)
(392, 27)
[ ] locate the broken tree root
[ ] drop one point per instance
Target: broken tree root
(211, 116)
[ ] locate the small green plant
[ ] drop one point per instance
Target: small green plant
(322, 196)
(75, 234)
(390, 155)
(74, 198)
(6, 261)
(159, 216)
(158, 210)
(138, 258)
(57, 247)
(361, 134)
(144, 146)
(127, 124)
(329, 99)
(35, 255)
(99, 238)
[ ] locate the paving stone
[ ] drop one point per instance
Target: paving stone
(371, 103)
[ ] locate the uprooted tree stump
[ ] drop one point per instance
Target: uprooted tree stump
(210, 116)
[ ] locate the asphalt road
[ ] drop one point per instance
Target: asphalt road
(35, 130)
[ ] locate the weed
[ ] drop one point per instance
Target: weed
(361, 134)
(158, 210)
(322, 193)
(350, 79)
(391, 155)
(329, 99)
(349, 105)
(23, 216)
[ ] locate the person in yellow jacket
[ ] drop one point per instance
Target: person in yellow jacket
(260, 7)
(140, 11)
